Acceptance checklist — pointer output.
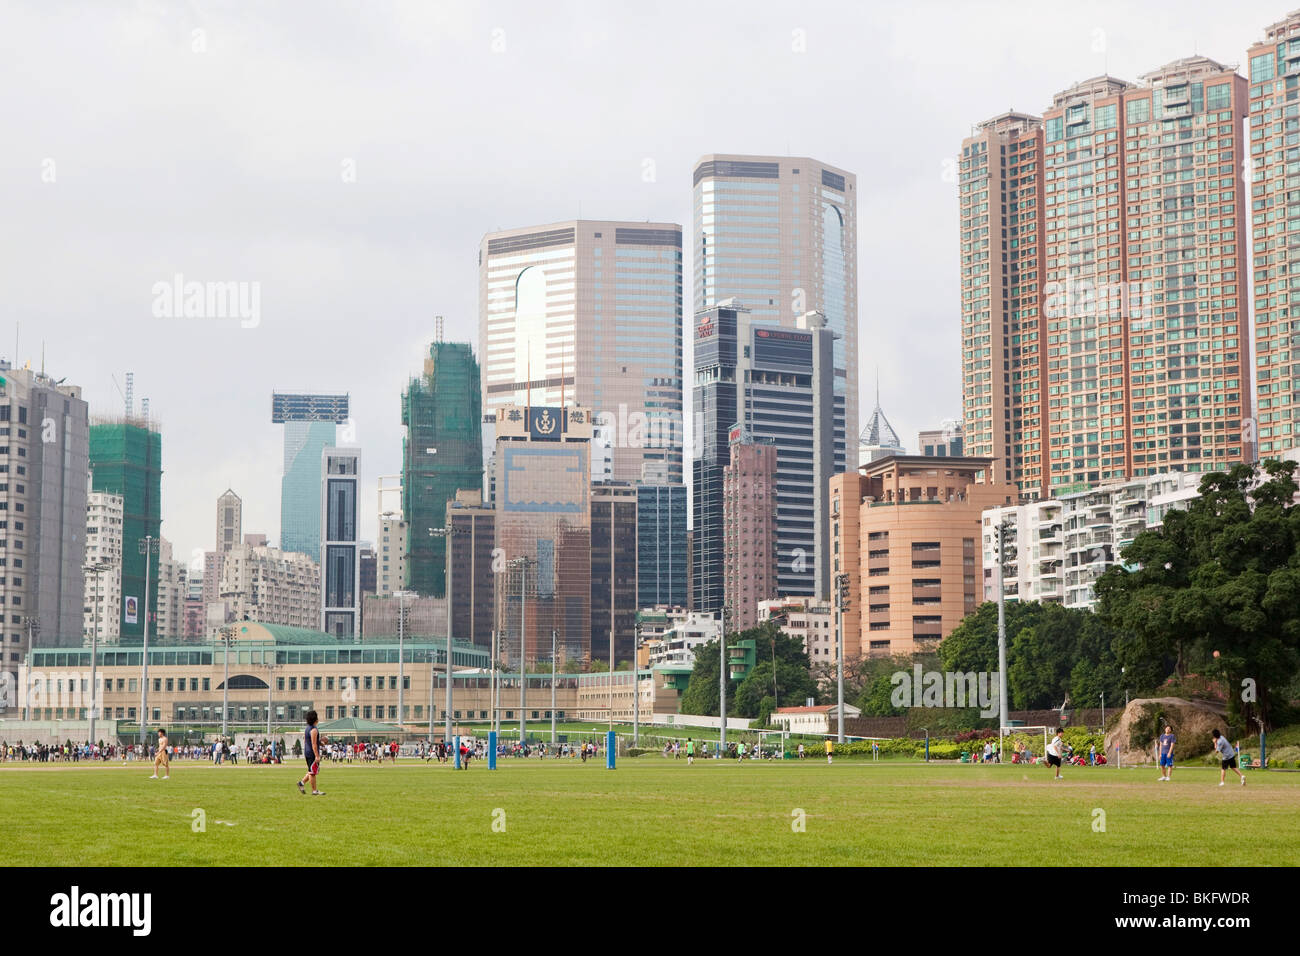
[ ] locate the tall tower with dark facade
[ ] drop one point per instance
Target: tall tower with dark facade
(441, 455)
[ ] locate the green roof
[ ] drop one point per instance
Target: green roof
(356, 725)
(285, 634)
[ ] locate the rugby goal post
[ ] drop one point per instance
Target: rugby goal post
(1009, 736)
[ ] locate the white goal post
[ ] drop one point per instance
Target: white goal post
(1008, 736)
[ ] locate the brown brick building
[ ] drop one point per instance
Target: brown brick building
(906, 531)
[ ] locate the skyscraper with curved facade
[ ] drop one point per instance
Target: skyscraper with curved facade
(779, 234)
(590, 313)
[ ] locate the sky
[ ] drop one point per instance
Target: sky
(344, 159)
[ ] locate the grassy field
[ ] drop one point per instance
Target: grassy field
(650, 811)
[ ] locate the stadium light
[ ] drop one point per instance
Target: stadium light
(96, 569)
(841, 602)
(148, 546)
(1000, 549)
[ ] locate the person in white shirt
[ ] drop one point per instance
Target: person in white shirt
(1054, 750)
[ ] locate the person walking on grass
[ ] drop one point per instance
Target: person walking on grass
(1227, 758)
(1166, 751)
(690, 751)
(1054, 752)
(311, 749)
(830, 749)
(163, 760)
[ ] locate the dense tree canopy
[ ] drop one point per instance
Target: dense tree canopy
(1053, 652)
(1220, 576)
(752, 697)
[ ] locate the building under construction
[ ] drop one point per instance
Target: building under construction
(126, 460)
(441, 454)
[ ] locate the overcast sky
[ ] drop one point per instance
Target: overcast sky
(348, 157)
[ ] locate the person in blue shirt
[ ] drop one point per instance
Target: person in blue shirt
(1166, 753)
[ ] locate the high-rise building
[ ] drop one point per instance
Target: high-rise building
(126, 460)
(369, 570)
(340, 563)
(271, 586)
(472, 582)
(589, 313)
(1004, 333)
(777, 385)
(543, 532)
(906, 532)
(663, 576)
(195, 610)
(878, 438)
(173, 588)
(104, 547)
(748, 529)
(808, 621)
(944, 442)
(441, 454)
(1104, 322)
(1057, 548)
(613, 571)
(1274, 77)
(230, 521)
(309, 428)
(43, 517)
(390, 555)
(780, 235)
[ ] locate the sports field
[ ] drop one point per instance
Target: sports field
(650, 811)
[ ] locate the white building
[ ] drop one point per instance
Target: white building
(818, 721)
(390, 556)
(264, 584)
(1058, 547)
(808, 620)
(173, 588)
(676, 646)
(103, 599)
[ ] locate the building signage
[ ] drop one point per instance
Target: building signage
(545, 424)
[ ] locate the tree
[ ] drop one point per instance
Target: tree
(1222, 576)
(701, 694)
(875, 680)
(973, 644)
(794, 685)
(1045, 658)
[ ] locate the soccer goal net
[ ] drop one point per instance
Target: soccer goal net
(1023, 744)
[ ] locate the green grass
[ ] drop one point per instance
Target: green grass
(650, 811)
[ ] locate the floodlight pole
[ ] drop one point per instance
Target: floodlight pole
(1002, 636)
(722, 682)
(97, 570)
(227, 634)
(147, 545)
(523, 677)
(401, 634)
(636, 683)
(841, 594)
